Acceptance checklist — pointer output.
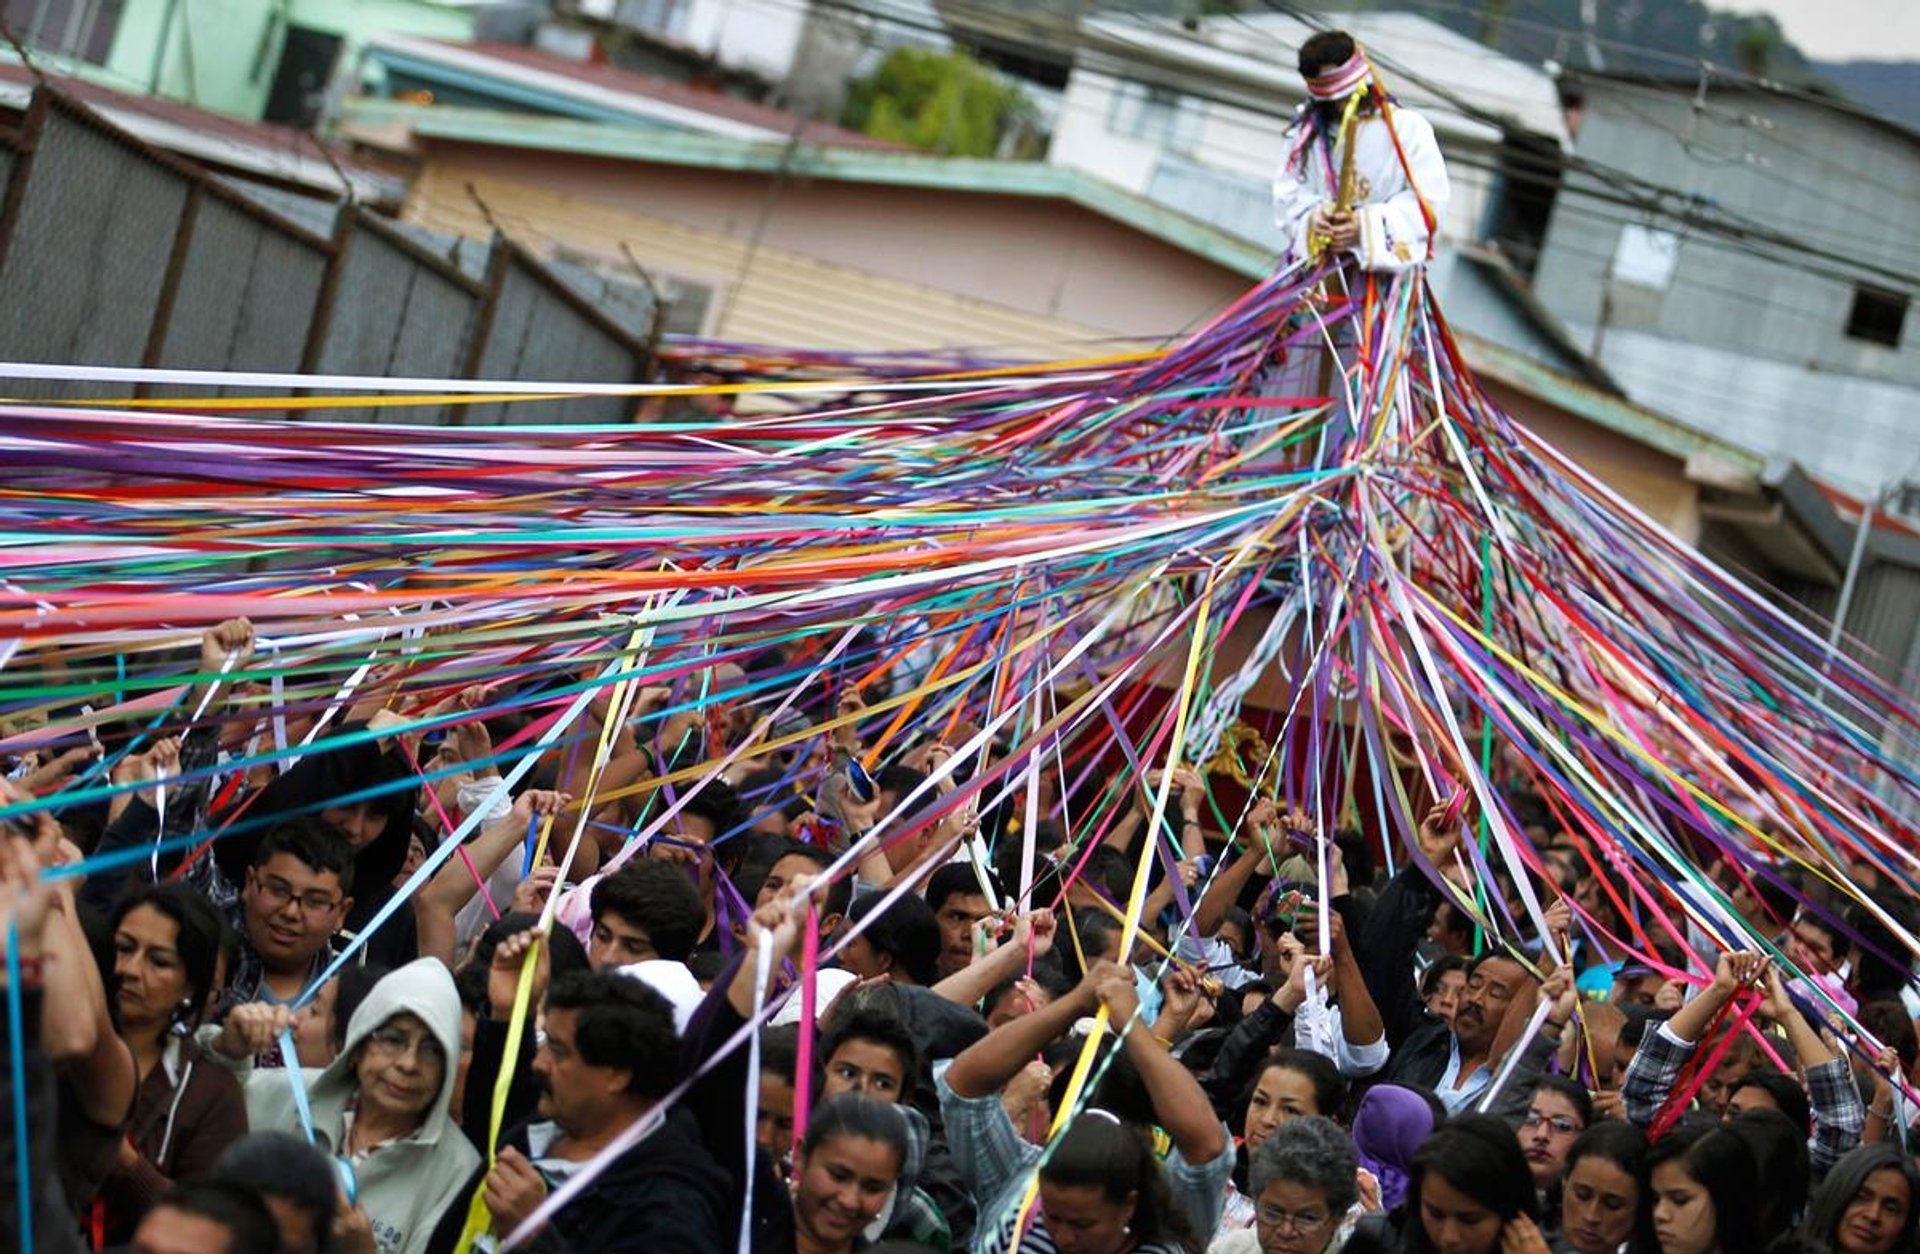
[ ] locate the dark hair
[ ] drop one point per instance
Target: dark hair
(1313, 1152)
(565, 955)
(718, 804)
(1438, 970)
(1719, 1161)
(1889, 1023)
(955, 879)
(312, 843)
(1575, 1093)
(1088, 932)
(839, 893)
(1620, 1143)
(249, 1224)
(1480, 1156)
(657, 897)
(623, 1024)
(350, 988)
(1108, 870)
(1100, 1151)
(780, 1051)
(1242, 920)
(1844, 1181)
(899, 780)
(1324, 51)
(1831, 928)
(1786, 1094)
(1329, 1090)
(200, 934)
(282, 1165)
(866, 1021)
(903, 929)
(852, 1114)
(1779, 1148)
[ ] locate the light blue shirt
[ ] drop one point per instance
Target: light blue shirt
(1456, 1096)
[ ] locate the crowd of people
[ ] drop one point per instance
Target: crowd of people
(815, 1011)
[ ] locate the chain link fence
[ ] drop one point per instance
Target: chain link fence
(113, 253)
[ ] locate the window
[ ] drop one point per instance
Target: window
(1878, 316)
(1645, 257)
(82, 29)
(1156, 114)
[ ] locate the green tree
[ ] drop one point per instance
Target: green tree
(947, 103)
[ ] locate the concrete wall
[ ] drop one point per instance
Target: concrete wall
(843, 264)
(222, 54)
(1739, 342)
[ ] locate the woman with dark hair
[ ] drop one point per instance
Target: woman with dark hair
(1469, 1193)
(1292, 1084)
(844, 1171)
(1604, 1202)
(1779, 1150)
(166, 948)
(1868, 1204)
(1702, 1182)
(1104, 1185)
(1558, 1110)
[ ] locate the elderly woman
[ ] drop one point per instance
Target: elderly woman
(1304, 1180)
(380, 1107)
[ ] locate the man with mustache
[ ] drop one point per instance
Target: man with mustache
(1456, 1060)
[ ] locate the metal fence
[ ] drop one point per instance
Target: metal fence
(114, 253)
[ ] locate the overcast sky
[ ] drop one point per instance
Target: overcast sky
(1845, 30)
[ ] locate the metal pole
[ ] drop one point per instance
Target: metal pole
(1853, 568)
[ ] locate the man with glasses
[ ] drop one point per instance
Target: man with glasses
(296, 895)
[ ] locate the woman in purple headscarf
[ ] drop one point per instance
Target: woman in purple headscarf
(1389, 1125)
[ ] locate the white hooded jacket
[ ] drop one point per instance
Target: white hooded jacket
(407, 1184)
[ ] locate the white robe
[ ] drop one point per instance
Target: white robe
(1393, 234)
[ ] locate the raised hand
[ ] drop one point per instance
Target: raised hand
(231, 639)
(252, 1028)
(1038, 928)
(530, 894)
(1438, 838)
(503, 973)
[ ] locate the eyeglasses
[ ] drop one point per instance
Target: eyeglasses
(400, 1041)
(279, 893)
(1558, 1124)
(1298, 1221)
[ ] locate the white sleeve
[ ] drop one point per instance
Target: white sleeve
(1355, 1061)
(1294, 200)
(1393, 232)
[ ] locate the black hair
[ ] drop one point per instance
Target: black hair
(1718, 1160)
(1625, 1147)
(868, 1021)
(955, 879)
(1329, 1089)
(313, 844)
(656, 897)
(200, 935)
(1575, 1093)
(1780, 1150)
(1889, 1023)
(1107, 870)
(718, 804)
(839, 893)
(1242, 920)
(903, 929)
(1786, 1094)
(1437, 970)
(283, 1165)
(621, 1023)
(249, 1224)
(1325, 51)
(1480, 1156)
(855, 1115)
(900, 780)
(1089, 932)
(350, 988)
(565, 954)
(780, 1052)
(1314, 1152)
(1100, 1151)
(1837, 1192)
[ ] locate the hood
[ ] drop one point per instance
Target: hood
(423, 988)
(1388, 1127)
(919, 1133)
(673, 981)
